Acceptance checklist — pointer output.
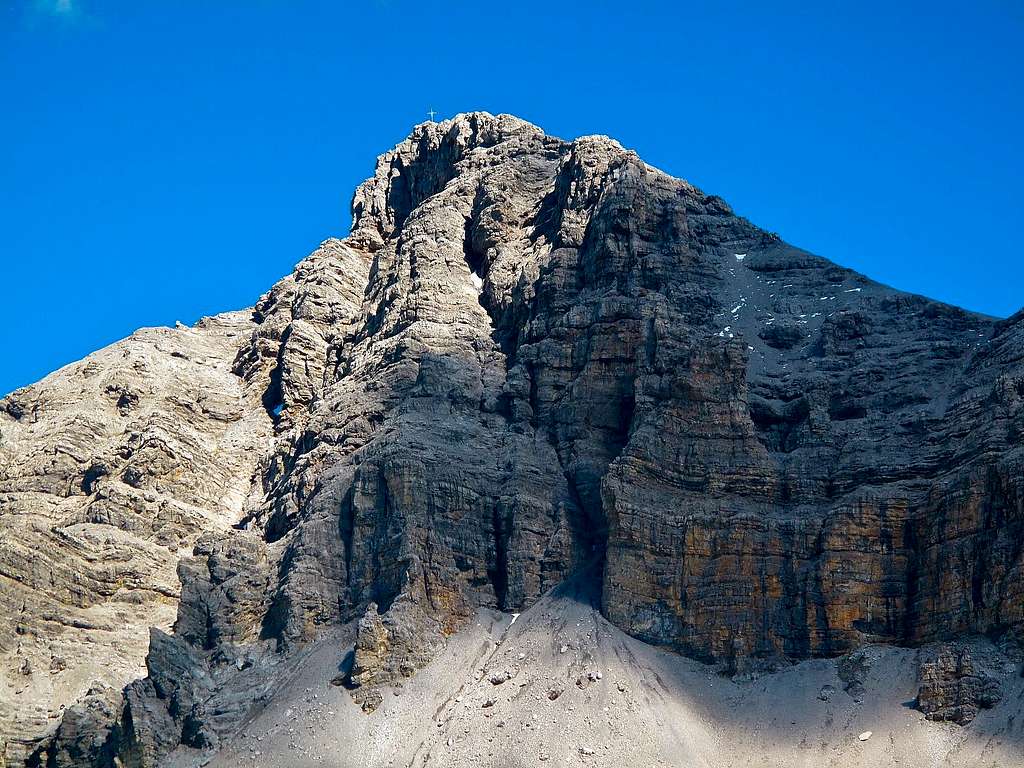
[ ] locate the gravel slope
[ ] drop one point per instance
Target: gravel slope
(581, 693)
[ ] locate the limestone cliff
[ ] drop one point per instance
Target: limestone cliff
(530, 358)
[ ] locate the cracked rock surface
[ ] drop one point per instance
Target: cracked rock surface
(954, 687)
(530, 359)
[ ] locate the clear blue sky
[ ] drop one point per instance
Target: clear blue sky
(165, 159)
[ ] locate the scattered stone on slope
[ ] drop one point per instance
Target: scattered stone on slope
(853, 670)
(501, 677)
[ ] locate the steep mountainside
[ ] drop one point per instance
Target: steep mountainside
(530, 360)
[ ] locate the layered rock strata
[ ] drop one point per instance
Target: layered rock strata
(529, 357)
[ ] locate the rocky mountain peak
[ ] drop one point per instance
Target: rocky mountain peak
(534, 368)
(420, 166)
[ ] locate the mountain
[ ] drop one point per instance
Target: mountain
(553, 459)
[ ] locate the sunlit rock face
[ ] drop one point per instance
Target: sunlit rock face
(531, 357)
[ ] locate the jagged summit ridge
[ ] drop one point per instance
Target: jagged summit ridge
(530, 359)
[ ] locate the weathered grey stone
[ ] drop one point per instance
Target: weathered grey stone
(953, 688)
(84, 736)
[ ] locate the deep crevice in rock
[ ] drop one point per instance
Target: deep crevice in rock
(273, 396)
(778, 423)
(499, 574)
(502, 331)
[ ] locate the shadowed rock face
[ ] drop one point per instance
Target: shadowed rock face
(529, 356)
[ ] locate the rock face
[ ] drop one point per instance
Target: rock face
(110, 469)
(390, 647)
(952, 688)
(528, 358)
